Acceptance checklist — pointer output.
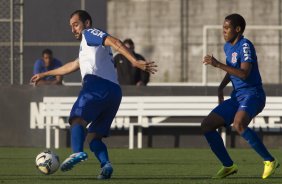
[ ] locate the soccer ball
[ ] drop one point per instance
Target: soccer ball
(47, 162)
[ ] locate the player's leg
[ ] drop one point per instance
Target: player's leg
(219, 117)
(241, 122)
(96, 131)
(101, 127)
(80, 115)
(82, 112)
(209, 126)
(78, 128)
(248, 109)
(99, 148)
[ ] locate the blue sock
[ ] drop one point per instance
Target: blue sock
(100, 151)
(217, 146)
(251, 137)
(77, 138)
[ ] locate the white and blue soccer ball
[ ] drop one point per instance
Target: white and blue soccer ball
(47, 162)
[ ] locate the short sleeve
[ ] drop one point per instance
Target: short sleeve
(37, 67)
(248, 53)
(94, 37)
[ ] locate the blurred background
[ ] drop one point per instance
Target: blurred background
(174, 33)
(169, 32)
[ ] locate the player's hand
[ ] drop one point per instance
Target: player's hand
(34, 79)
(147, 66)
(210, 60)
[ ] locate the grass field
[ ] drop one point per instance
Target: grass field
(157, 166)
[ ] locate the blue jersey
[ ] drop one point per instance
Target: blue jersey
(243, 51)
(39, 67)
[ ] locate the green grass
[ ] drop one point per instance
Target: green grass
(157, 166)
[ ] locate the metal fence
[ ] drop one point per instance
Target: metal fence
(11, 41)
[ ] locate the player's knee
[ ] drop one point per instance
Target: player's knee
(239, 126)
(212, 122)
(93, 136)
(240, 123)
(93, 140)
(78, 121)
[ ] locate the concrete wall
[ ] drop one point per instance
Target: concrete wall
(47, 22)
(157, 28)
(154, 26)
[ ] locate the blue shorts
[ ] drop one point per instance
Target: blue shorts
(251, 104)
(97, 103)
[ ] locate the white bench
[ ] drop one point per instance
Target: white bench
(152, 110)
(56, 111)
(198, 106)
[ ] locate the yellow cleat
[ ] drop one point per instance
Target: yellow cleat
(269, 168)
(226, 171)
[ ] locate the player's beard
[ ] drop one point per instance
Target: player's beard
(78, 36)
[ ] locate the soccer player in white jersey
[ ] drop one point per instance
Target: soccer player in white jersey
(100, 96)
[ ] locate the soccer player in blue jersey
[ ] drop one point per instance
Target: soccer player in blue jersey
(100, 96)
(247, 98)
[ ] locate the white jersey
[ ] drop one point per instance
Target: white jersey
(94, 57)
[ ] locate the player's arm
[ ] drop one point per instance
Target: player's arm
(222, 85)
(37, 70)
(243, 72)
(63, 70)
(57, 81)
(148, 66)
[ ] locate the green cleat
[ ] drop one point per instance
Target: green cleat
(226, 171)
(269, 168)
